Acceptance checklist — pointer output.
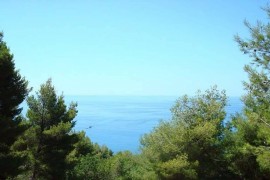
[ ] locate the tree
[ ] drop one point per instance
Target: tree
(82, 147)
(126, 165)
(190, 145)
(95, 164)
(251, 156)
(101, 164)
(50, 138)
(13, 91)
(93, 167)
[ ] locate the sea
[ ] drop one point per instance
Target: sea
(119, 122)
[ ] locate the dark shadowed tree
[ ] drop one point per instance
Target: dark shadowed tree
(13, 91)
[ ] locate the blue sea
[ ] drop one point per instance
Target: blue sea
(119, 121)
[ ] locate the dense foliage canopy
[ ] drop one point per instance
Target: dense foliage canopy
(190, 145)
(13, 91)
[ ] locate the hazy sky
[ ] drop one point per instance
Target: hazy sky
(130, 47)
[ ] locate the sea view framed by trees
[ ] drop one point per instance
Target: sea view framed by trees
(188, 136)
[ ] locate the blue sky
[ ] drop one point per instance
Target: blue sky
(142, 47)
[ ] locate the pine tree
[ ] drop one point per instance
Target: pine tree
(189, 146)
(251, 153)
(13, 91)
(50, 138)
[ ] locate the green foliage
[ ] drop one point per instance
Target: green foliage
(93, 167)
(190, 145)
(50, 140)
(93, 163)
(178, 166)
(102, 151)
(13, 90)
(81, 148)
(250, 157)
(127, 166)
(101, 164)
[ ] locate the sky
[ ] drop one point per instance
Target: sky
(125, 47)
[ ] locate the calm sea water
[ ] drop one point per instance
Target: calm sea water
(119, 122)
